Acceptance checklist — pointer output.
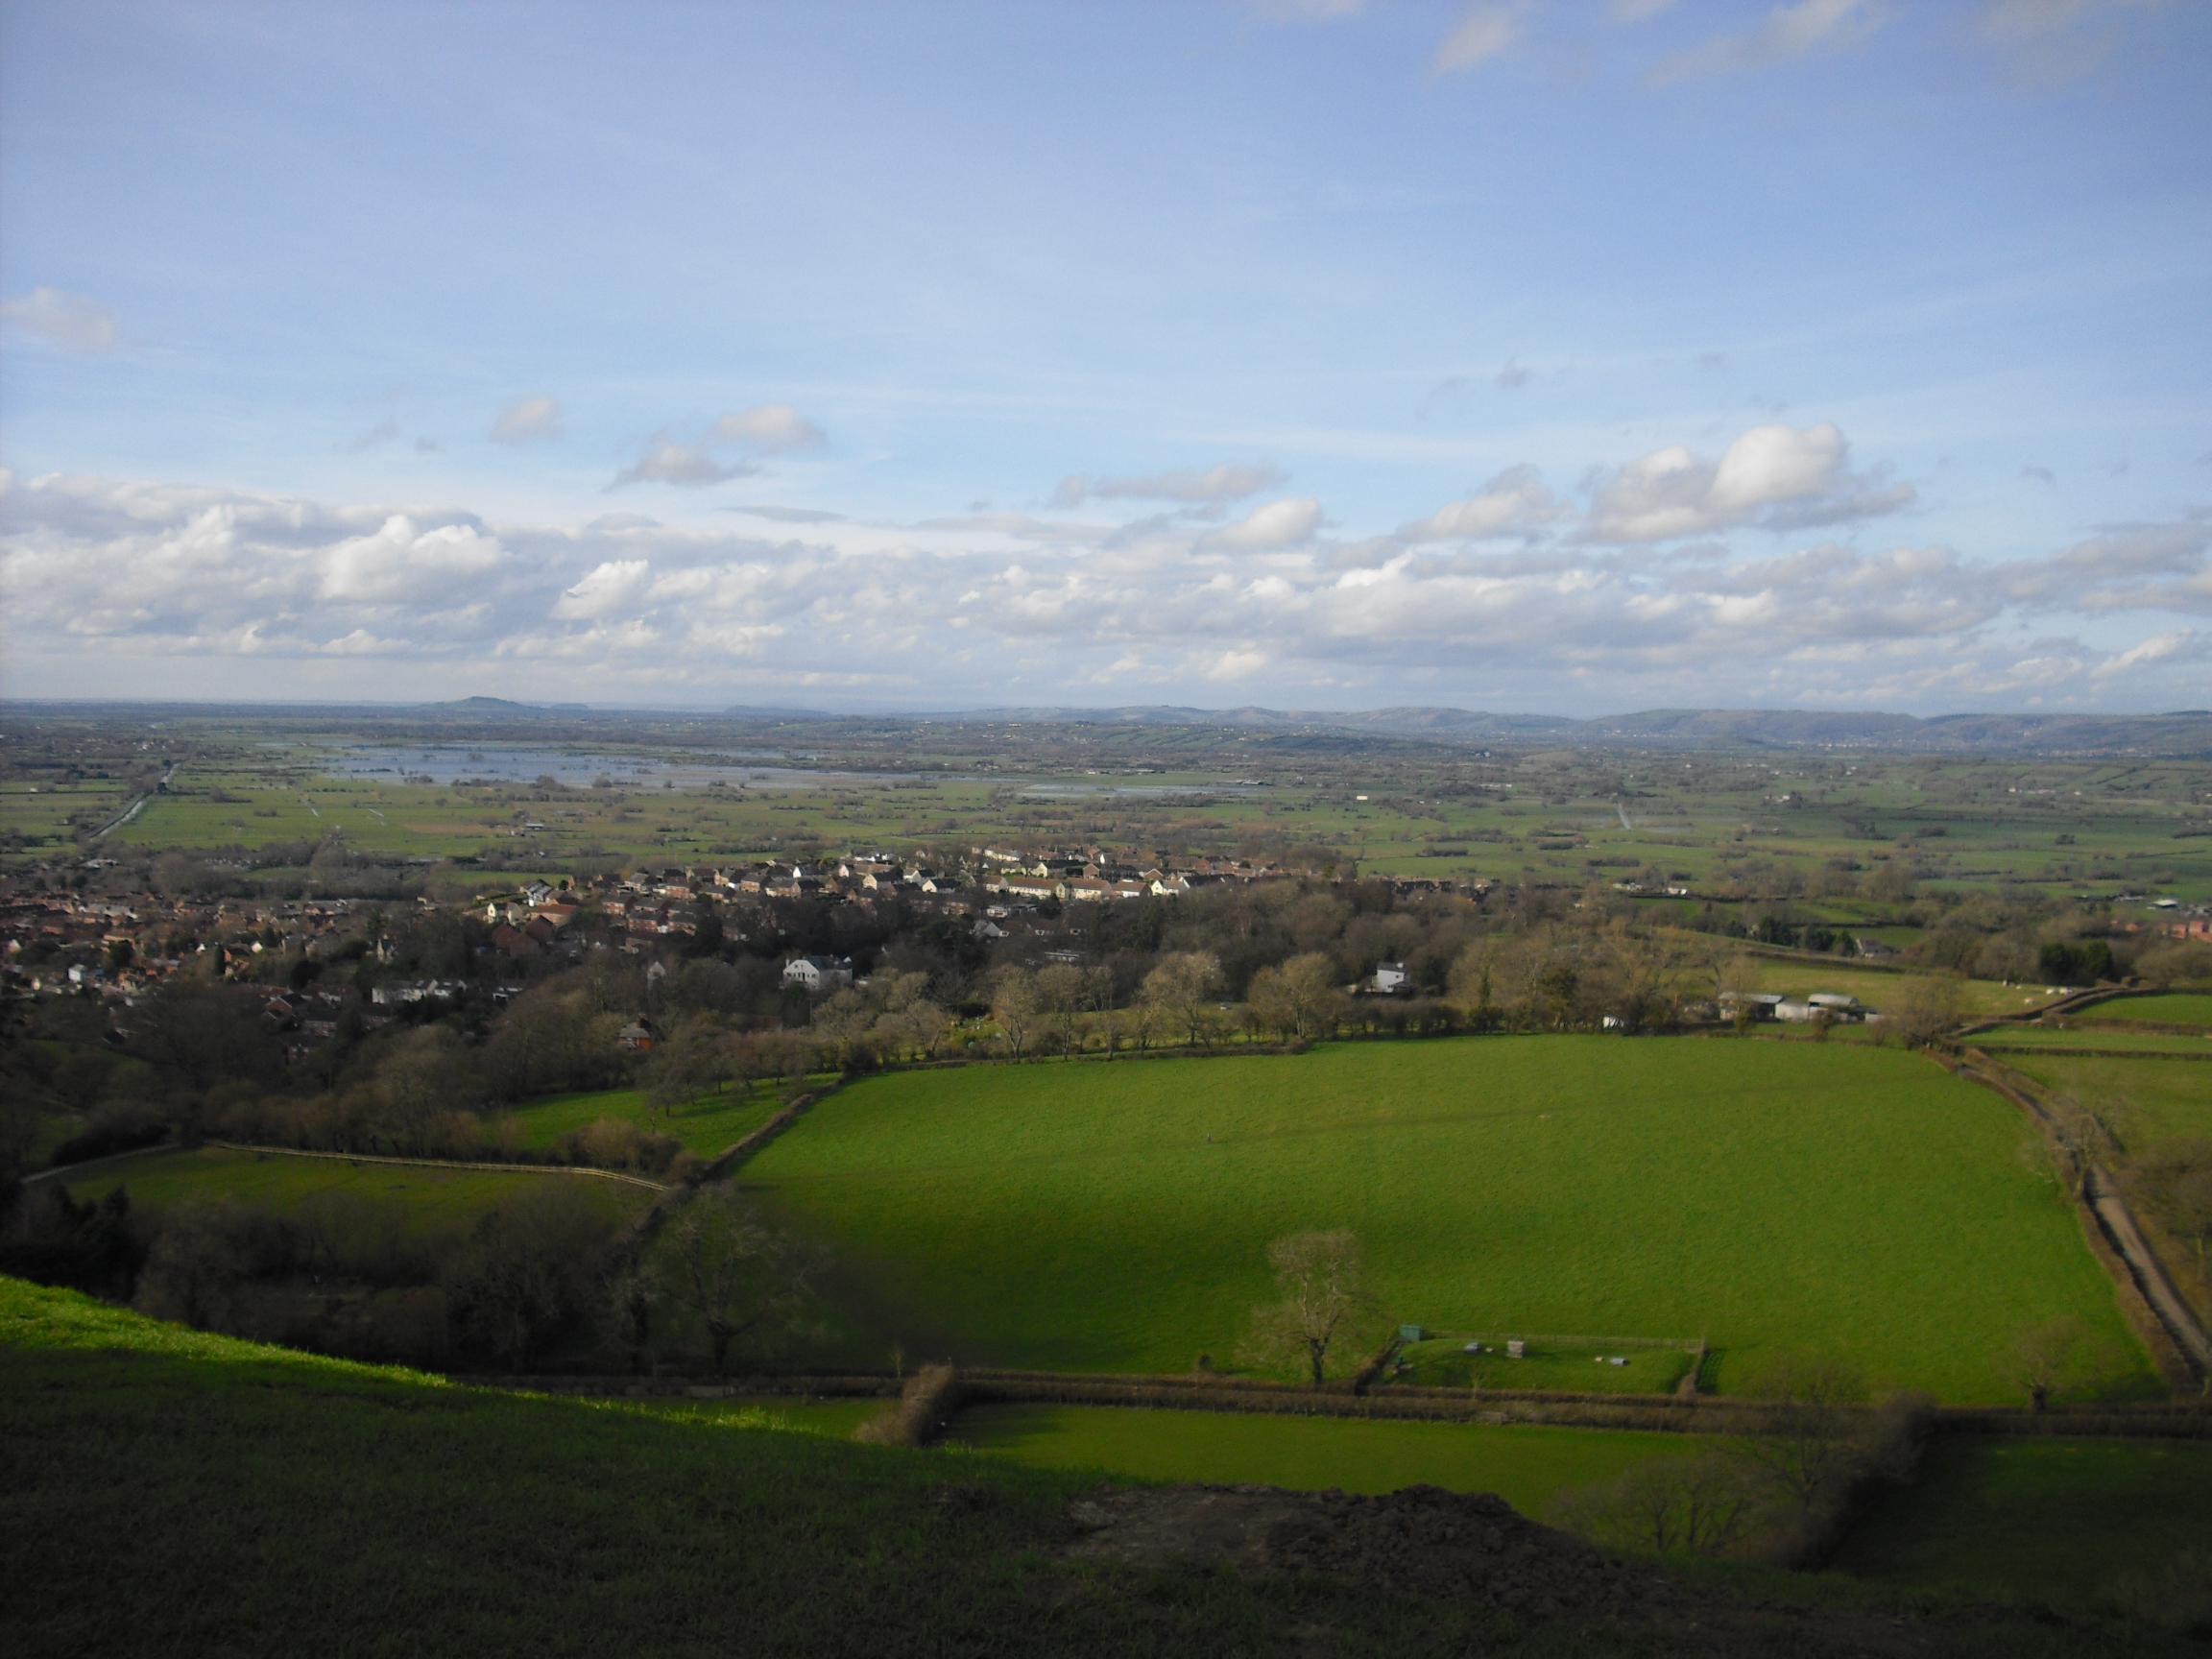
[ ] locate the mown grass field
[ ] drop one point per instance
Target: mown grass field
(2168, 1008)
(1524, 1464)
(432, 1199)
(707, 1126)
(1849, 1200)
(2041, 1518)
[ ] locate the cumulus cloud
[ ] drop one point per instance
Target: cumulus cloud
(1785, 33)
(99, 570)
(1207, 487)
(533, 420)
(1513, 503)
(1281, 523)
(1476, 38)
(1780, 476)
(73, 322)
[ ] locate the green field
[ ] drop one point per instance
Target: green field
(1850, 1200)
(1524, 1464)
(2169, 1008)
(1879, 989)
(2146, 1102)
(707, 1126)
(434, 1200)
(2042, 1518)
(1576, 1367)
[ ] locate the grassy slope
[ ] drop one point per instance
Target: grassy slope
(2059, 1518)
(1848, 1199)
(432, 1198)
(1801, 977)
(1525, 1465)
(2097, 1037)
(2148, 1102)
(709, 1125)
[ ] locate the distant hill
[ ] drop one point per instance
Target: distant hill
(2187, 732)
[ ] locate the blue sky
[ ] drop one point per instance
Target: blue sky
(1571, 356)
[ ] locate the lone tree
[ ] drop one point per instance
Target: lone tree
(1324, 1304)
(737, 1276)
(1184, 986)
(2049, 1358)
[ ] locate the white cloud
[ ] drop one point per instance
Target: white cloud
(608, 587)
(532, 419)
(1785, 33)
(2047, 42)
(130, 575)
(2155, 649)
(1212, 485)
(73, 322)
(1283, 523)
(1781, 476)
(1476, 38)
(687, 466)
(1514, 503)
(769, 429)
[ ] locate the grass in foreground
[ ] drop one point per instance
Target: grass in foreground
(1523, 1463)
(175, 1492)
(1853, 1201)
(2052, 1518)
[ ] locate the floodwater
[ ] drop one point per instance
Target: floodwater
(444, 764)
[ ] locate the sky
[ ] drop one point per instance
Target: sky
(1562, 356)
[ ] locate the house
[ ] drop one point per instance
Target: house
(536, 893)
(818, 972)
(1390, 977)
(1757, 1005)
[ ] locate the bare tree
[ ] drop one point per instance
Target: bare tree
(1324, 1302)
(2049, 1358)
(1300, 998)
(1696, 1505)
(1811, 1441)
(1184, 986)
(1018, 1008)
(1926, 1009)
(741, 1278)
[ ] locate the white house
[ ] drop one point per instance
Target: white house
(1390, 977)
(818, 972)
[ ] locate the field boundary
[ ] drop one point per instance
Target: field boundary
(2162, 1319)
(1645, 1413)
(730, 1159)
(2054, 1049)
(445, 1164)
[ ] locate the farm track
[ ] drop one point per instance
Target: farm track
(2101, 1200)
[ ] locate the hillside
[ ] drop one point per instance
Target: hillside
(170, 1491)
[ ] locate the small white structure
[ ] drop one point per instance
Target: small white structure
(817, 972)
(1390, 977)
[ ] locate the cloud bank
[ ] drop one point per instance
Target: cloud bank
(1516, 594)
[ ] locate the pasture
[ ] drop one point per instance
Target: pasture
(709, 1125)
(2059, 1039)
(1879, 988)
(433, 1201)
(2043, 1518)
(2167, 1008)
(1524, 1463)
(1850, 1200)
